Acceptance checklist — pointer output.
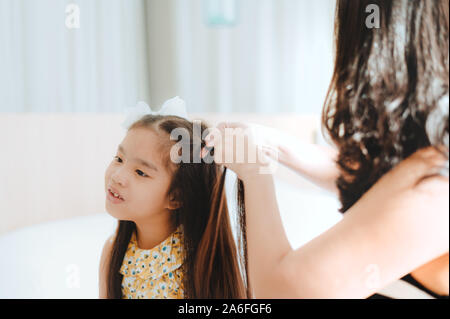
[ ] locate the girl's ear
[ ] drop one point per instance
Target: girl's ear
(173, 202)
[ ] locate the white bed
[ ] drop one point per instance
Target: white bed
(60, 259)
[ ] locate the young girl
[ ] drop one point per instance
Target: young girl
(173, 238)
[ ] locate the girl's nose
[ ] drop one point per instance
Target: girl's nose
(118, 177)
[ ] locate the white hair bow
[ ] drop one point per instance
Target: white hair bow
(174, 106)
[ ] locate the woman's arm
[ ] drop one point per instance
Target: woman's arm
(393, 229)
(397, 226)
(314, 162)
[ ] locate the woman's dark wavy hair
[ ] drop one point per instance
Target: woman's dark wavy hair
(389, 91)
(214, 266)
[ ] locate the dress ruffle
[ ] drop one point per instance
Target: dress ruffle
(156, 262)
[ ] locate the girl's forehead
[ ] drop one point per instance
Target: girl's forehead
(142, 136)
(144, 144)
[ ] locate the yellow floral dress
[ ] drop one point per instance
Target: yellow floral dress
(155, 273)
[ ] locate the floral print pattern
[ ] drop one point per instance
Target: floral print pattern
(155, 273)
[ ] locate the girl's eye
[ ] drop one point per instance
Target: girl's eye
(141, 173)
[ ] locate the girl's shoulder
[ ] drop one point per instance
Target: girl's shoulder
(103, 268)
(111, 238)
(107, 247)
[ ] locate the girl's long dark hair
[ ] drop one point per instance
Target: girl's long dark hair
(389, 92)
(215, 266)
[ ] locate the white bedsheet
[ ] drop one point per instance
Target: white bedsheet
(60, 259)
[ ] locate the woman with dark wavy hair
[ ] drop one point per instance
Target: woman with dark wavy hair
(387, 114)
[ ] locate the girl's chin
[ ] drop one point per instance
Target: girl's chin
(114, 212)
(118, 214)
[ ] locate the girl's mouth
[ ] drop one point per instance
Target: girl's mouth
(114, 197)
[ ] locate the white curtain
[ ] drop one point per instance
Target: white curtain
(277, 57)
(47, 67)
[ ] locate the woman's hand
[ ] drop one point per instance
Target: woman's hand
(235, 148)
(415, 170)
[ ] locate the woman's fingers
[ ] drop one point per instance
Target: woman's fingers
(270, 151)
(422, 163)
(223, 125)
(219, 131)
(234, 147)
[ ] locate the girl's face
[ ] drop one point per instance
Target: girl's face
(137, 175)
